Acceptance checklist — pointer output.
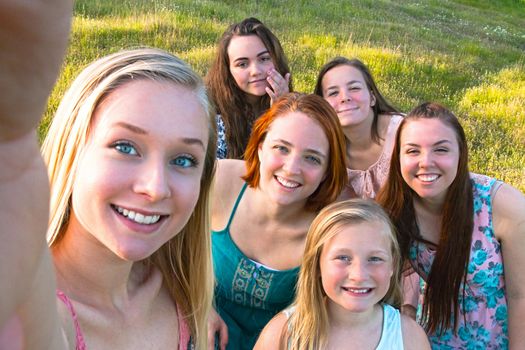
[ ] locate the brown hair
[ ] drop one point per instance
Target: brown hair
(449, 268)
(382, 106)
(319, 110)
(229, 100)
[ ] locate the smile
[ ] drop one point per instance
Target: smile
(287, 183)
(257, 81)
(137, 217)
(357, 290)
(427, 177)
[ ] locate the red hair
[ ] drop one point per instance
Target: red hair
(316, 108)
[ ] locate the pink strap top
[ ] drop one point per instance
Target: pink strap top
(80, 343)
(366, 183)
(184, 331)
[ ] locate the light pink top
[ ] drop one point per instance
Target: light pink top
(366, 183)
(184, 331)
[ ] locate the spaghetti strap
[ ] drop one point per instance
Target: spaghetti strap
(80, 345)
(236, 205)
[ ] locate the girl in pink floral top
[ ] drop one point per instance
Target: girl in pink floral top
(369, 123)
(463, 233)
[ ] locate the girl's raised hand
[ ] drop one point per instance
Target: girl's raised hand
(279, 85)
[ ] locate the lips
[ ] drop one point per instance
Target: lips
(348, 110)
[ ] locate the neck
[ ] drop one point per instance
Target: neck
(269, 211)
(341, 318)
(359, 136)
(432, 206)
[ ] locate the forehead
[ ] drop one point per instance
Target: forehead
(160, 107)
(367, 235)
(341, 75)
(298, 126)
(427, 130)
(245, 46)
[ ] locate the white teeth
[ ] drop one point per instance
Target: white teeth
(286, 183)
(427, 178)
(358, 291)
(137, 217)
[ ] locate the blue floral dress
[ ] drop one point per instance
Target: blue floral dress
(483, 322)
(222, 149)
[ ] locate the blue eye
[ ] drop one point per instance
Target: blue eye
(345, 258)
(313, 159)
(125, 148)
(375, 259)
(281, 149)
(185, 161)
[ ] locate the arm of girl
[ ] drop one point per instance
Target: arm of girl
(270, 337)
(34, 37)
(509, 228)
(414, 337)
(279, 85)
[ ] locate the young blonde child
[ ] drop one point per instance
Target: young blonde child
(348, 289)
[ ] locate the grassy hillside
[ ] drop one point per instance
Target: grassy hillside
(467, 54)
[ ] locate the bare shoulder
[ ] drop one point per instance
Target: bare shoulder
(270, 337)
(414, 337)
(508, 210)
(226, 186)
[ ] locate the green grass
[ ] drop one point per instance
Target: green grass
(467, 54)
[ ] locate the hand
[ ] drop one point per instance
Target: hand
(217, 325)
(279, 85)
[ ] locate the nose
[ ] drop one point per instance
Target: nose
(425, 159)
(255, 69)
(152, 181)
(345, 95)
(292, 164)
(357, 271)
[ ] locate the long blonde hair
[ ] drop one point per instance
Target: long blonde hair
(307, 328)
(185, 260)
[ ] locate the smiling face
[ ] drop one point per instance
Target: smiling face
(293, 158)
(356, 266)
(250, 62)
(138, 178)
(429, 157)
(344, 87)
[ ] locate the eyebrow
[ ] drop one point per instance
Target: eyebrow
(258, 55)
(137, 130)
(132, 128)
(348, 83)
(440, 142)
(309, 150)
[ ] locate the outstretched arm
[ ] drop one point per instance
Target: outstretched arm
(509, 228)
(33, 35)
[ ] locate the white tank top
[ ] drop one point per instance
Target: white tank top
(391, 335)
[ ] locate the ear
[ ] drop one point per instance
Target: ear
(259, 150)
(372, 100)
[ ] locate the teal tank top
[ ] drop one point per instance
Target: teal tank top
(247, 295)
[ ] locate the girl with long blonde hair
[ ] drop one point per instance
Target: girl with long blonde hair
(348, 290)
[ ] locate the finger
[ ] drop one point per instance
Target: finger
(287, 78)
(211, 338)
(223, 336)
(273, 96)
